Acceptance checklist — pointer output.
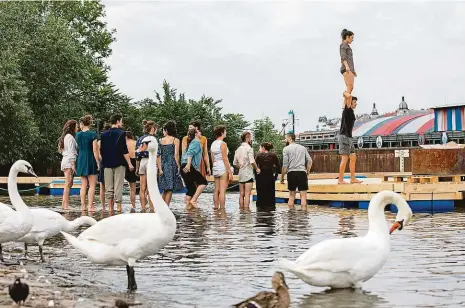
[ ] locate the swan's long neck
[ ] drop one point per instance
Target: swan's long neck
(83, 220)
(16, 199)
(152, 183)
(376, 217)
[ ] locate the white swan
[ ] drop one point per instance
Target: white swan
(15, 224)
(48, 223)
(345, 263)
(124, 239)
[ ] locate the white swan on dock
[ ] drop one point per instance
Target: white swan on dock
(348, 262)
(123, 239)
(15, 224)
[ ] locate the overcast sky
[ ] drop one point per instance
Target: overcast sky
(265, 58)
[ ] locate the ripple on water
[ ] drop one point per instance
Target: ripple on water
(225, 256)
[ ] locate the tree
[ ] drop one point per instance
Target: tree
(265, 131)
(59, 50)
(19, 132)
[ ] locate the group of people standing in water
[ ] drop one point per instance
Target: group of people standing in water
(116, 156)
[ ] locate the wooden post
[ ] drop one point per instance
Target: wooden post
(401, 154)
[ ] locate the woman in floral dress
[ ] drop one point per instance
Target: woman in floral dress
(168, 162)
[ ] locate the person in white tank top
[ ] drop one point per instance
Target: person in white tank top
(221, 168)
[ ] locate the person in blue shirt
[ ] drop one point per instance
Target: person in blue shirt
(190, 169)
(142, 157)
(115, 156)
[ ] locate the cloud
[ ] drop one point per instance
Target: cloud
(265, 58)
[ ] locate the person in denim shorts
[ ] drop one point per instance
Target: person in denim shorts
(346, 145)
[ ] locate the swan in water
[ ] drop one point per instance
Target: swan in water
(348, 262)
(48, 223)
(123, 239)
(15, 224)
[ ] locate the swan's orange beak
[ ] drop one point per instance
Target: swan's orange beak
(394, 227)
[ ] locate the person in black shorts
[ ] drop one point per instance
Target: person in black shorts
(346, 145)
(297, 164)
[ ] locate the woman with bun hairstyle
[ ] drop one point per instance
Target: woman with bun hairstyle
(169, 166)
(347, 64)
(269, 166)
(88, 161)
(142, 157)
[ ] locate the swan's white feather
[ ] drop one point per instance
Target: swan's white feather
(347, 262)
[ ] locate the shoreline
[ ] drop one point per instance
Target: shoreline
(50, 284)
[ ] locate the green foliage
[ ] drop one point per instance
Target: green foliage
(171, 105)
(59, 70)
(264, 131)
(52, 69)
(19, 132)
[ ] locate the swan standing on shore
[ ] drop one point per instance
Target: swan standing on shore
(348, 262)
(48, 223)
(123, 239)
(15, 224)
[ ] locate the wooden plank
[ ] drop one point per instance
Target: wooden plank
(369, 196)
(436, 196)
(335, 188)
(434, 187)
(46, 180)
(31, 180)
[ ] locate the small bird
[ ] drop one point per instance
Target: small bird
(265, 299)
(18, 291)
(119, 303)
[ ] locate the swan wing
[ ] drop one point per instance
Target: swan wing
(5, 212)
(339, 255)
(116, 229)
(47, 221)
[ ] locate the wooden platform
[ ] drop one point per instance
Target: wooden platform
(55, 185)
(45, 180)
(423, 196)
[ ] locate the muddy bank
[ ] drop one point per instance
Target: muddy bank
(56, 287)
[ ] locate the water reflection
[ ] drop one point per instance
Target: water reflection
(265, 222)
(346, 225)
(223, 256)
(347, 298)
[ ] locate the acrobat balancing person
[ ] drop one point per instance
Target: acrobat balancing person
(346, 146)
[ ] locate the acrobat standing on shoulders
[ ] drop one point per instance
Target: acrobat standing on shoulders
(347, 64)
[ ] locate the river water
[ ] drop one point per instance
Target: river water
(224, 257)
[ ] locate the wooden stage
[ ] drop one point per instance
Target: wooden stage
(41, 180)
(423, 193)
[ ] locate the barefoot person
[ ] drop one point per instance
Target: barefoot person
(221, 168)
(68, 147)
(347, 64)
(130, 175)
(296, 164)
(245, 162)
(142, 156)
(346, 145)
(169, 166)
(190, 168)
(115, 156)
(205, 163)
(87, 161)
